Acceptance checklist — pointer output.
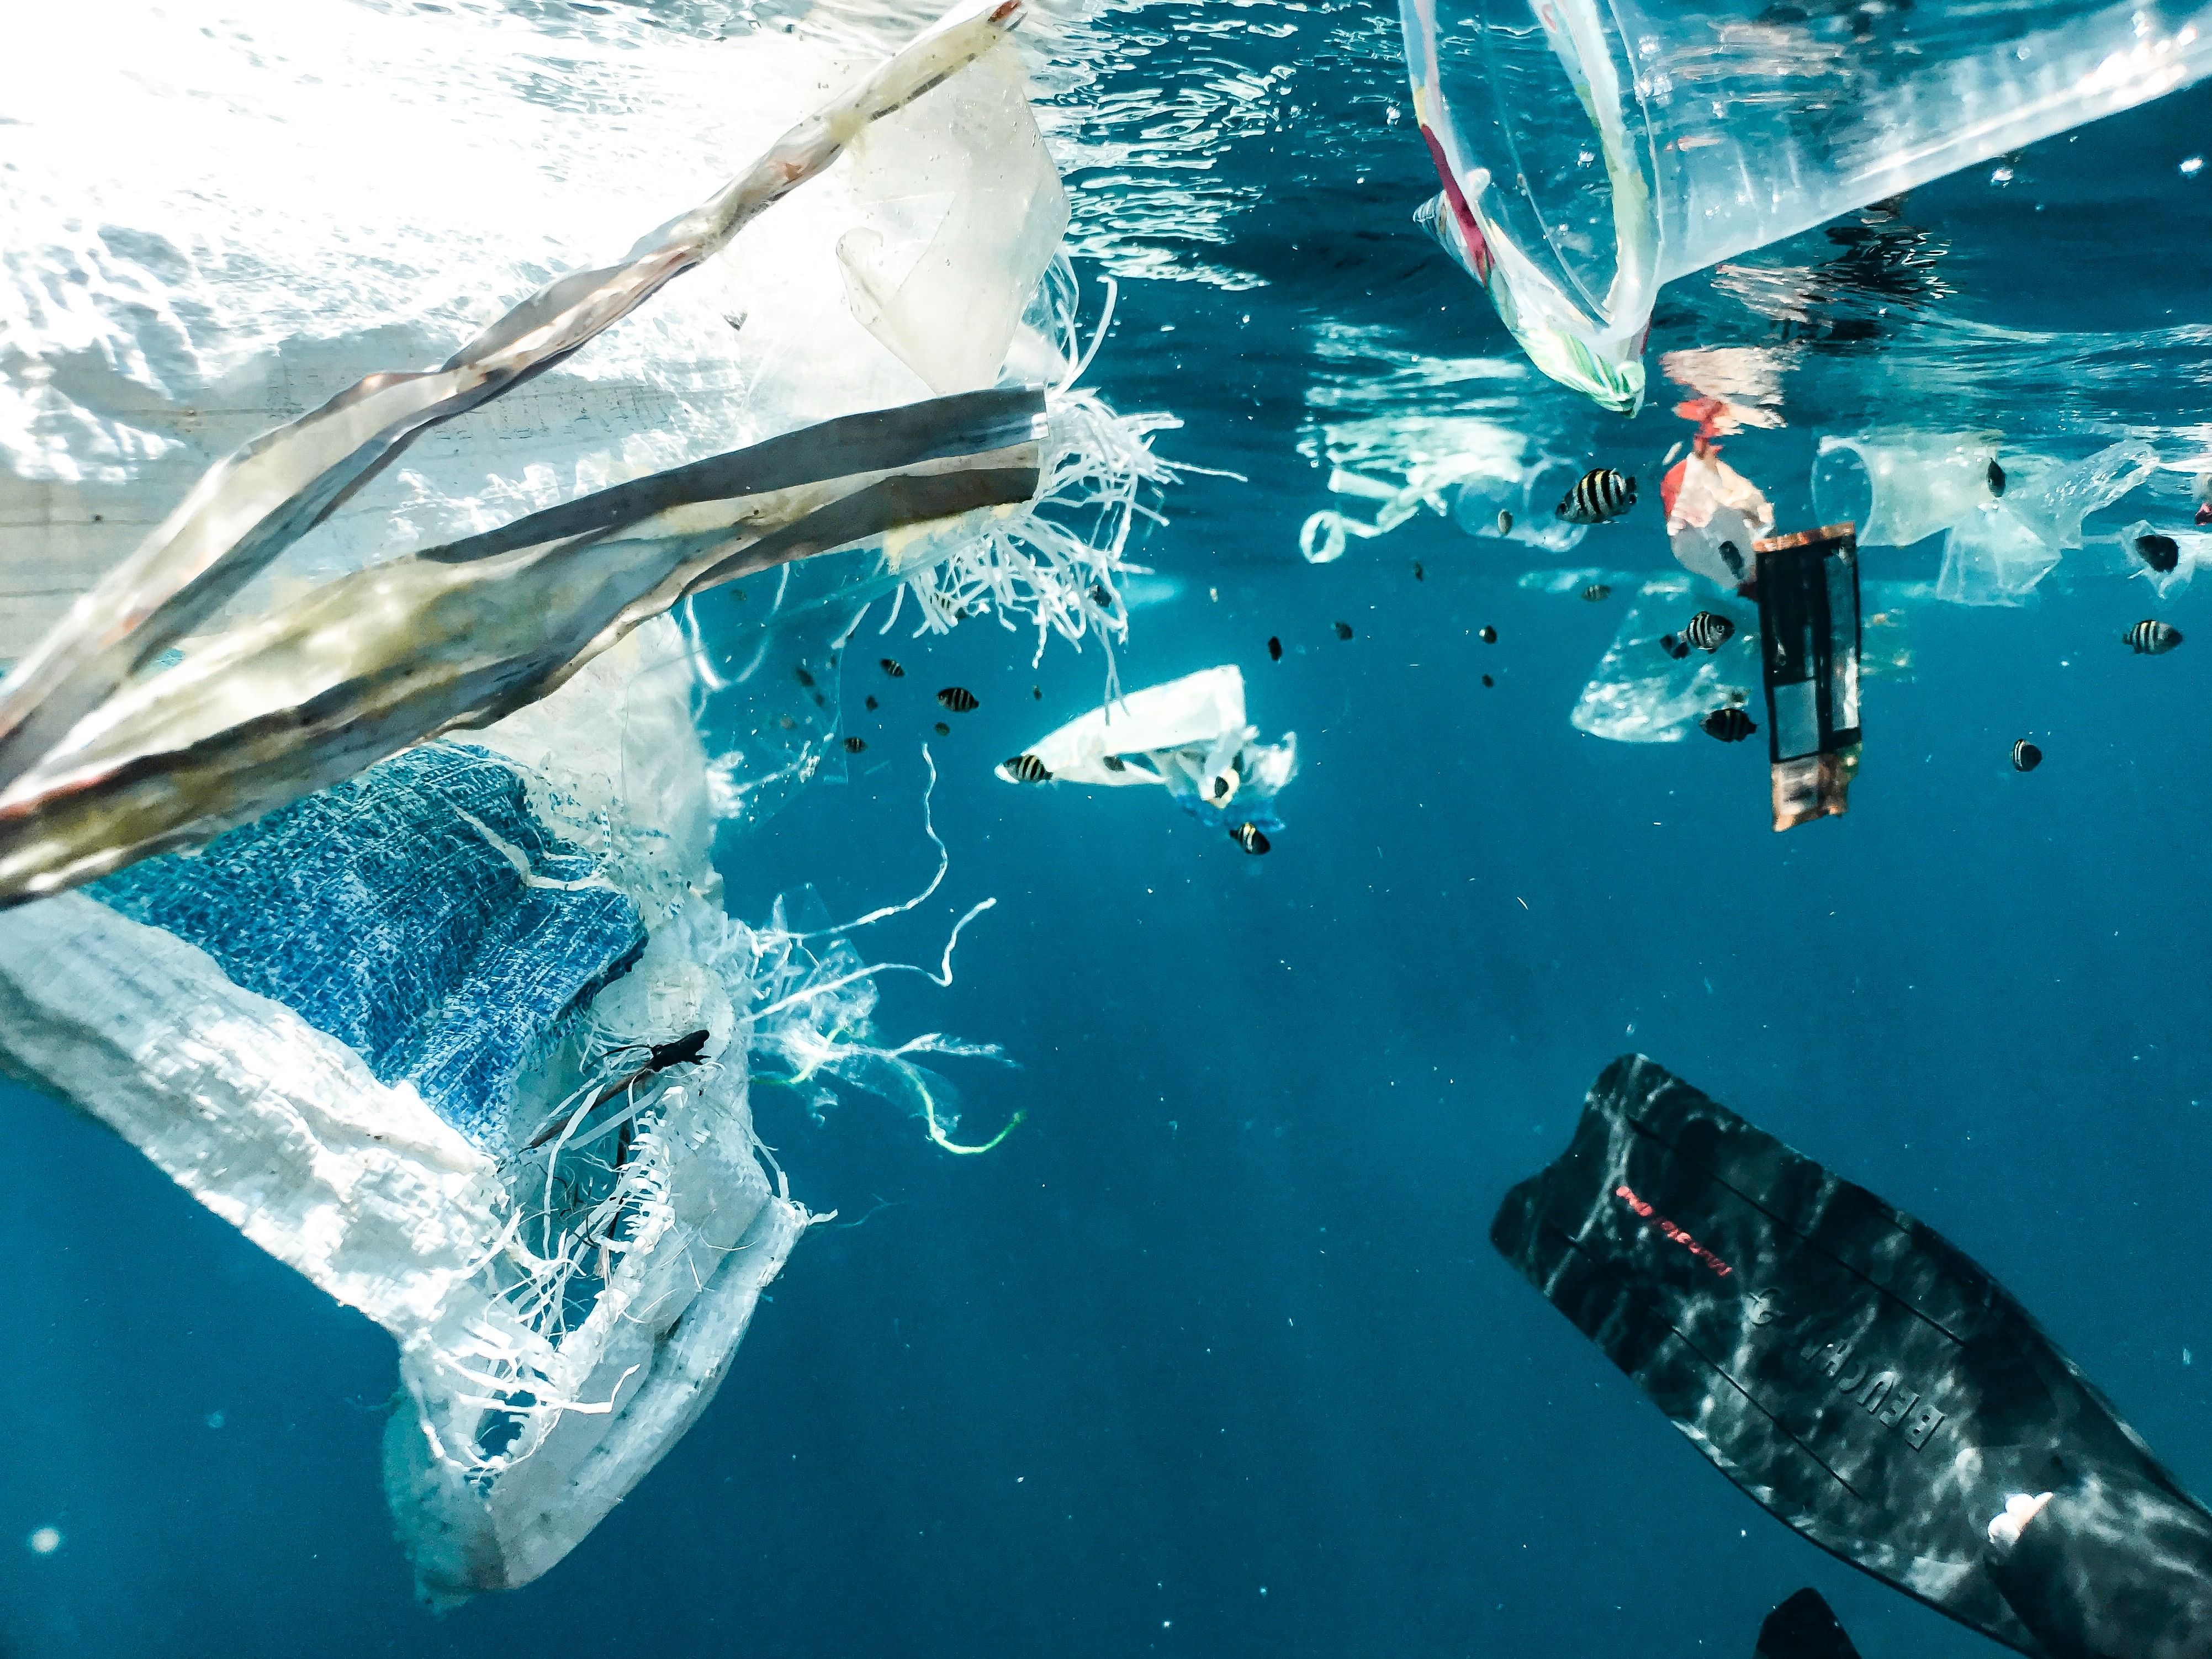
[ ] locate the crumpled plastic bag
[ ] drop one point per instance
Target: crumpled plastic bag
(1714, 514)
(1188, 736)
(1997, 553)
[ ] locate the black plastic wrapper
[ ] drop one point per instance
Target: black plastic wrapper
(1808, 630)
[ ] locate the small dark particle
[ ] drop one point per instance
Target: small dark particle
(1487, 635)
(890, 667)
(2161, 553)
(1028, 769)
(99, 517)
(961, 615)
(1486, 680)
(1729, 725)
(1597, 591)
(821, 701)
(854, 745)
(1504, 522)
(1600, 494)
(1037, 693)
(1732, 557)
(873, 705)
(1274, 649)
(1675, 645)
(1344, 630)
(2148, 638)
(803, 676)
(1997, 477)
(1114, 764)
(1100, 597)
(943, 730)
(786, 722)
(959, 698)
(1247, 837)
(1221, 789)
(2026, 756)
(1420, 575)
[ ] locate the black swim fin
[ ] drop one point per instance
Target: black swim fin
(1858, 1377)
(1804, 1627)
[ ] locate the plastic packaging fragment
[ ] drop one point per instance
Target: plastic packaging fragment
(463, 634)
(1640, 694)
(1714, 515)
(1808, 626)
(1188, 736)
(248, 508)
(970, 211)
(1900, 487)
(2192, 551)
(1997, 553)
(1487, 492)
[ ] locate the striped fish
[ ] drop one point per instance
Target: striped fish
(1707, 631)
(2026, 756)
(1729, 725)
(889, 666)
(2161, 553)
(1600, 494)
(1597, 591)
(1028, 769)
(854, 745)
(2150, 638)
(1247, 837)
(959, 698)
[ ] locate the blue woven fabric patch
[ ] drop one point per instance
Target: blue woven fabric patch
(384, 912)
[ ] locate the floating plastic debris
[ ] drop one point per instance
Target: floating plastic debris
(1639, 691)
(1997, 553)
(1796, 117)
(1901, 487)
(1188, 735)
(2169, 559)
(1714, 515)
(1809, 625)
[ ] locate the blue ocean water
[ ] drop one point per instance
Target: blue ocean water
(1212, 1356)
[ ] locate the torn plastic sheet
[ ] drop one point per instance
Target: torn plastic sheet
(1900, 487)
(1638, 694)
(460, 635)
(1188, 736)
(1809, 625)
(1997, 553)
(523, 931)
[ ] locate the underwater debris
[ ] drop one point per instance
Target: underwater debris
(1714, 514)
(2169, 561)
(1808, 626)
(1188, 735)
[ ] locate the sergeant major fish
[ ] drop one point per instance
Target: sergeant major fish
(1707, 631)
(1729, 725)
(959, 698)
(1600, 494)
(2151, 638)
(1248, 836)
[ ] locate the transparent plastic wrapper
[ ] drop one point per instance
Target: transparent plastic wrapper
(1714, 515)
(1999, 551)
(457, 1024)
(1487, 494)
(1640, 693)
(1589, 153)
(2167, 558)
(1809, 627)
(1900, 487)
(1188, 736)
